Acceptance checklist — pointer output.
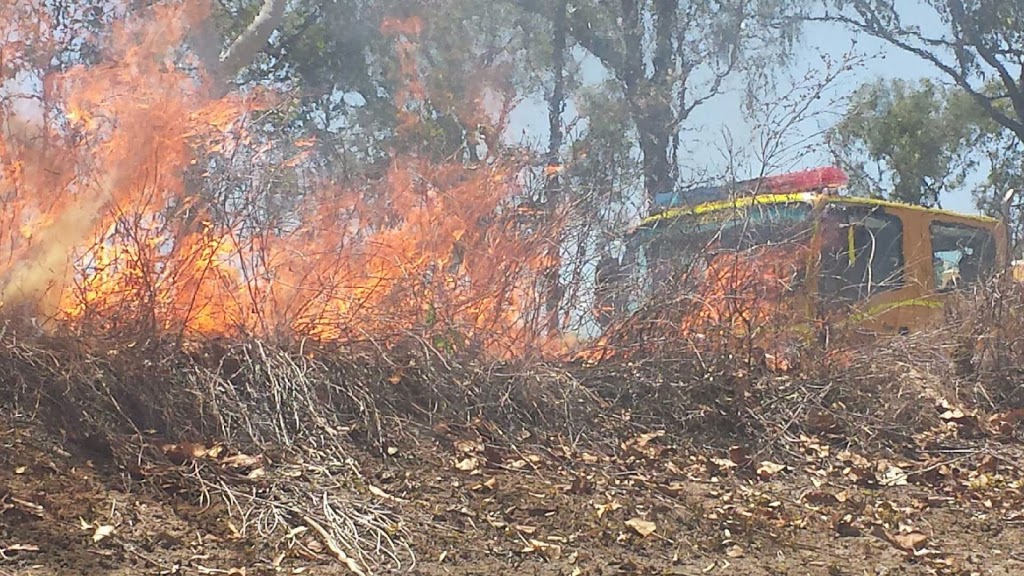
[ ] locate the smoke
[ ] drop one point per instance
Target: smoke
(40, 276)
(64, 176)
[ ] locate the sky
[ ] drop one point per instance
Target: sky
(704, 150)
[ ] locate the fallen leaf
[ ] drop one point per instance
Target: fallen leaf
(734, 551)
(722, 463)
(642, 527)
(739, 455)
(552, 551)
(911, 540)
(468, 464)
(768, 469)
(468, 446)
(242, 461)
(603, 509)
(102, 531)
(20, 469)
(643, 439)
(488, 484)
(954, 414)
(820, 498)
(893, 476)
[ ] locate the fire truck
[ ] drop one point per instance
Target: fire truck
(876, 264)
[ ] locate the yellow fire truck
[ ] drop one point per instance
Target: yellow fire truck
(878, 265)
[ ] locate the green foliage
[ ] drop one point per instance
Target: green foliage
(911, 142)
(667, 58)
(976, 44)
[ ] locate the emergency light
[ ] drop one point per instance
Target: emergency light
(828, 177)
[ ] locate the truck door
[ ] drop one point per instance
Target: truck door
(866, 281)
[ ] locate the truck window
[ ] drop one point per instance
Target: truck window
(962, 255)
(670, 258)
(862, 253)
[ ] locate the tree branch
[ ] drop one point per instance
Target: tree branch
(582, 29)
(251, 42)
(873, 27)
(974, 38)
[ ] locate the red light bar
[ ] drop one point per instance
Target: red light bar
(791, 183)
(803, 181)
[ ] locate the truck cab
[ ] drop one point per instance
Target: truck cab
(799, 246)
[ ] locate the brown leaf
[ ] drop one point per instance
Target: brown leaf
(603, 509)
(893, 476)
(102, 532)
(1005, 423)
(488, 484)
(642, 527)
(768, 469)
(734, 551)
(820, 498)
(643, 439)
(822, 421)
(954, 414)
(242, 461)
(552, 551)
(722, 464)
(468, 446)
(256, 473)
(468, 464)
(910, 541)
(739, 455)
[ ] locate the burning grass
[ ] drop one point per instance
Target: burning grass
(135, 203)
(272, 432)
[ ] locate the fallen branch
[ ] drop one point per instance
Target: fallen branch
(328, 540)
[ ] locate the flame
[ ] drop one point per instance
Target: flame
(116, 230)
(744, 290)
(738, 301)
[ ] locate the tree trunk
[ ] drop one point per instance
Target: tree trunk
(657, 123)
(221, 69)
(650, 99)
(553, 186)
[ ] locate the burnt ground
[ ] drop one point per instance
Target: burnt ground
(639, 505)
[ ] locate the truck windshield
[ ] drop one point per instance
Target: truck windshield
(672, 257)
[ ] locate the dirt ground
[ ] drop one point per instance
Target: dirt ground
(546, 507)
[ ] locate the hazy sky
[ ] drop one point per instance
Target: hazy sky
(704, 146)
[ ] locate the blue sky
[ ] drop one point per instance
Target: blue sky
(704, 150)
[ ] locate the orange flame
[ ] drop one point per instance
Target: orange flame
(111, 242)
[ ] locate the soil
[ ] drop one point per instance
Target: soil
(547, 507)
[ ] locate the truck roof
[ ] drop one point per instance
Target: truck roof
(810, 198)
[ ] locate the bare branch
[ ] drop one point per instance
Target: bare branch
(251, 42)
(223, 66)
(873, 26)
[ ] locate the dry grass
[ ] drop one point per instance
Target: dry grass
(301, 411)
